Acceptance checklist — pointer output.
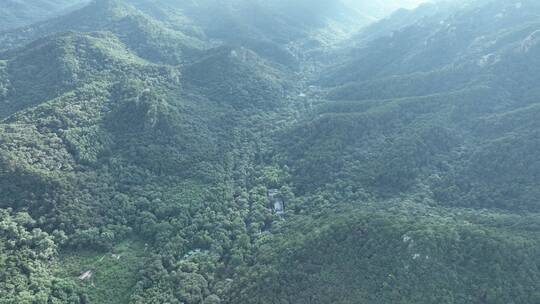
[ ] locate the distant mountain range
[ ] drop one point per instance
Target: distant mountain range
(17, 13)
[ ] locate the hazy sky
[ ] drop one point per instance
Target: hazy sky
(409, 3)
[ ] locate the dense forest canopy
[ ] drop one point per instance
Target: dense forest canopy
(205, 152)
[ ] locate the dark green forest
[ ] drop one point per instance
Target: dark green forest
(269, 152)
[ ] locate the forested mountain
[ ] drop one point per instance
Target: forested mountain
(458, 80)
(204, 152)
(17, 13)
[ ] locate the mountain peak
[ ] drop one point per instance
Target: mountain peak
(105, 10)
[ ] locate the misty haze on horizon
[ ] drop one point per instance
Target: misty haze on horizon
(18, 13)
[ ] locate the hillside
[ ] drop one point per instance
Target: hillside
(147, 37)
(238, 77)
(205, 152)
(18, 13)
(50, 67)
(439, 116)
(471, 36)
(394, 257)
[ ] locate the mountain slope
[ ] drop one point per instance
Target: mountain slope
(472, 35)
(277, 30)
(49, 67)
(149, 38)
(17, 13)
(397, 125)
(239, 77)
(359, 256)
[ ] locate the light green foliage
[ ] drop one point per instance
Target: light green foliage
(88, 143)
(113, 273)
(27, 255)
(25, 147)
